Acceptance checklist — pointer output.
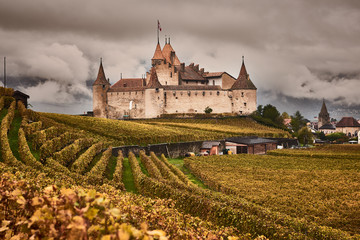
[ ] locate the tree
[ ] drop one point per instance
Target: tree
(337, 137)
(270, 112)
(208, 110)
(259, 110)
(322, 136)
(305, 136)
(285, 115)
(297, 121)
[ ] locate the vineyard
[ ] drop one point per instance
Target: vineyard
(142, 132)
(320, 185)
(60, 179)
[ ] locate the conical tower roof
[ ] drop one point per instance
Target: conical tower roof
(158, 54)
(154, 81)
(101, 79)
(323, 109)
(167, 54)
(243, 81)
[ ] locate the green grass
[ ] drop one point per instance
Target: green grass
(179, 163)
(110, 169)
(13, 135)
(143, 168)
(128, 178)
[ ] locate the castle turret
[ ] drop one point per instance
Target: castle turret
(158, 57)
(100, 88)
(244, 93)
(324, 117)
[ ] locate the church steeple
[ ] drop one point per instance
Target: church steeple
(324, 117)
(101, 79)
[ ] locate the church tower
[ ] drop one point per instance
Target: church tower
(324, 117)
(100, 88)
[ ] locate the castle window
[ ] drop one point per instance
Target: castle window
(171, 74)
(203, 93)
(195, 110)
(214, 82)
(135, 106)
(187, 82)
(176, 97)
(218, 93)
(242, 94)
(125, 85)
(189, 93)
(174, 93)
(165, 83)
(244, 104)
(158, 98)
(103, 86)
(195, 93)
(240, 112)
(232, 104)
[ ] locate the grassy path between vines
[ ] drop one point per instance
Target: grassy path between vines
(179, 163)
(128, 178)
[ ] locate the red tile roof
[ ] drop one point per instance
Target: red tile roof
(101, 79)
(129, 82)
(158, 54)
(348, 122)
(126, 89)
(243, 81)
(154, 81)
(213, 74)
(191, 87)
(190, 74)
(167, 53)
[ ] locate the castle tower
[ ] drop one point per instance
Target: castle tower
(100, 88)
(158, 57)
(324, 117)
(244, 93)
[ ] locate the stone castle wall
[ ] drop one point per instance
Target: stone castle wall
(151, 103)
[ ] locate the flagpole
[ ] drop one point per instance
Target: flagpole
(157, 27)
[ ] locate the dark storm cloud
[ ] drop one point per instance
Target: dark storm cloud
(302, 49)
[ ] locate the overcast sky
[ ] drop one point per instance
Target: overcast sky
(297, 52)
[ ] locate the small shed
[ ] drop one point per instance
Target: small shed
(211, 147)
(250, 145)
(20, 96)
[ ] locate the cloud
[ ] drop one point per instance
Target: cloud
(293, 49)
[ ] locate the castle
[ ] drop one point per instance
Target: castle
(170, 87)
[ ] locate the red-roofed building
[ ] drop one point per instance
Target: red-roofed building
(170, 87)
(349, 126)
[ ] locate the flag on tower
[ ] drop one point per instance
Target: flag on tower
(159, 27)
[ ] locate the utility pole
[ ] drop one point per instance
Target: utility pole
(4, 72)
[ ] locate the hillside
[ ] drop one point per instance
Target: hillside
(142, 132)
(60, 179)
